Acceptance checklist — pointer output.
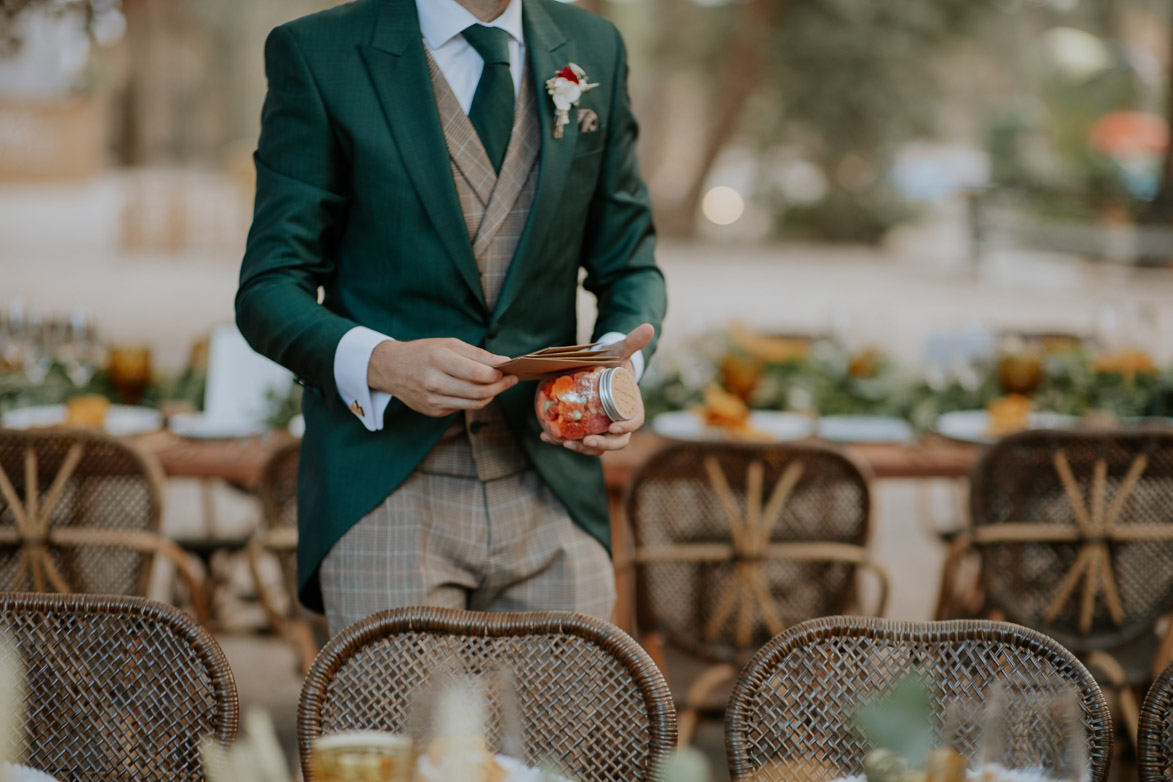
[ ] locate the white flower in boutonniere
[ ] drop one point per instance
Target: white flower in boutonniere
(567, 88)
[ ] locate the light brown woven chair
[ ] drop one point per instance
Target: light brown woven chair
(277, 537)
(1071, 533)
(79, 512)
(117, 687)
(591, 701)
(791, 717)
(734, 543)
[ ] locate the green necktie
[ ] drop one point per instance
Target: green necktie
(492, 104)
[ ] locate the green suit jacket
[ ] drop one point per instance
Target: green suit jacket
(355, 197)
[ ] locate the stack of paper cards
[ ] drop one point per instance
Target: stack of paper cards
(553, 361)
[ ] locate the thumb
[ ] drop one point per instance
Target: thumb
(637, 339)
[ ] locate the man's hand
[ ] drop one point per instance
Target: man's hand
(437, 377)
(620, 432)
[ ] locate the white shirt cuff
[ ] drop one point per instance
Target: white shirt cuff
(351, 359)
(637, 358)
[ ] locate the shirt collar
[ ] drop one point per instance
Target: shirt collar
(443, 20)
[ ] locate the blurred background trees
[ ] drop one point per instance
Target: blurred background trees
(821, 119)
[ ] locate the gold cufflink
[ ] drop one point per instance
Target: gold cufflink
(356, 408)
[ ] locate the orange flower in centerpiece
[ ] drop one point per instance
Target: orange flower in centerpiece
(1128, 363)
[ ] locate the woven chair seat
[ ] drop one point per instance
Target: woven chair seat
(791, 715)
(117, 687)
(590, 700)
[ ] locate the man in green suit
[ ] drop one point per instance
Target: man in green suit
(423, 210)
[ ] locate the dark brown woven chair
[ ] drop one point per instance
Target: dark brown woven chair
(79, 512)
(1072, 534)
(277, 537)
(117, 687)
(1154, 740)
(791, 717)
(1155, 737)
(734, 543)
(591, 701)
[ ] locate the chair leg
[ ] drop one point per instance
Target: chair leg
(707, 682)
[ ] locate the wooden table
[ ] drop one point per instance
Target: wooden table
(239, 461)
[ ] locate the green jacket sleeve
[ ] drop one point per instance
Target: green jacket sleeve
(620, 240)
(301, 203)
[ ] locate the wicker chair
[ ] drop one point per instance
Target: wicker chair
(791, 717)
(79, 512)
(117, 687)
(590, 700)
(1155, 737)
(736, 542)
(278, 538)
(1070, 533)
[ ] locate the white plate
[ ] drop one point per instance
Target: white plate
(778, 426)
(864, 429)
(121, 420)
(199, 426)
(972, 426)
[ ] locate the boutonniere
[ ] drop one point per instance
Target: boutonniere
(567, 88)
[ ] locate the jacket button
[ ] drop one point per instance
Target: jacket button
(476, 426)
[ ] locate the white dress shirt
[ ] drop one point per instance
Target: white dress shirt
(441, 24)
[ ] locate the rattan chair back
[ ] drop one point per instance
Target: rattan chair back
(1075, 531)
(703, 583)
(792, 714)
(117, 687)
(79, 512)
(590, 700)
(1154, 748)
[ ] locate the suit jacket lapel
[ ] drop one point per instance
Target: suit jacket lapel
(549, 52)
(398, 67)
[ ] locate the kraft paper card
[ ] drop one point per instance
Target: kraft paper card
(555, 360)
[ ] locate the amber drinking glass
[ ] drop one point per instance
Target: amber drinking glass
(363, 757)
(741, 374)
(1021, 372)
(130, 371)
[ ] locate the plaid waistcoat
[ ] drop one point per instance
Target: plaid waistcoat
(496, 208)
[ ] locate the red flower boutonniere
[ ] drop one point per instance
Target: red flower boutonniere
(567, 88)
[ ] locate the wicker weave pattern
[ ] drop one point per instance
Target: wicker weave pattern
(1021, 481)
(1155, 736)
(591, 701)
(117, 688)
(50, 482)
(793, 705)
(675, 503)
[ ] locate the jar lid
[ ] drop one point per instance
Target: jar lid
(619, 394)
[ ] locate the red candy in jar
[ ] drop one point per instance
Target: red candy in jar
(571, 406)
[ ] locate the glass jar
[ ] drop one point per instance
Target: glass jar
(587, 401)
(363, 756)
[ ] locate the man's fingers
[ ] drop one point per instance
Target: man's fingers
(449, 386)
(637, 339)
(460, 366)
(477, 354)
